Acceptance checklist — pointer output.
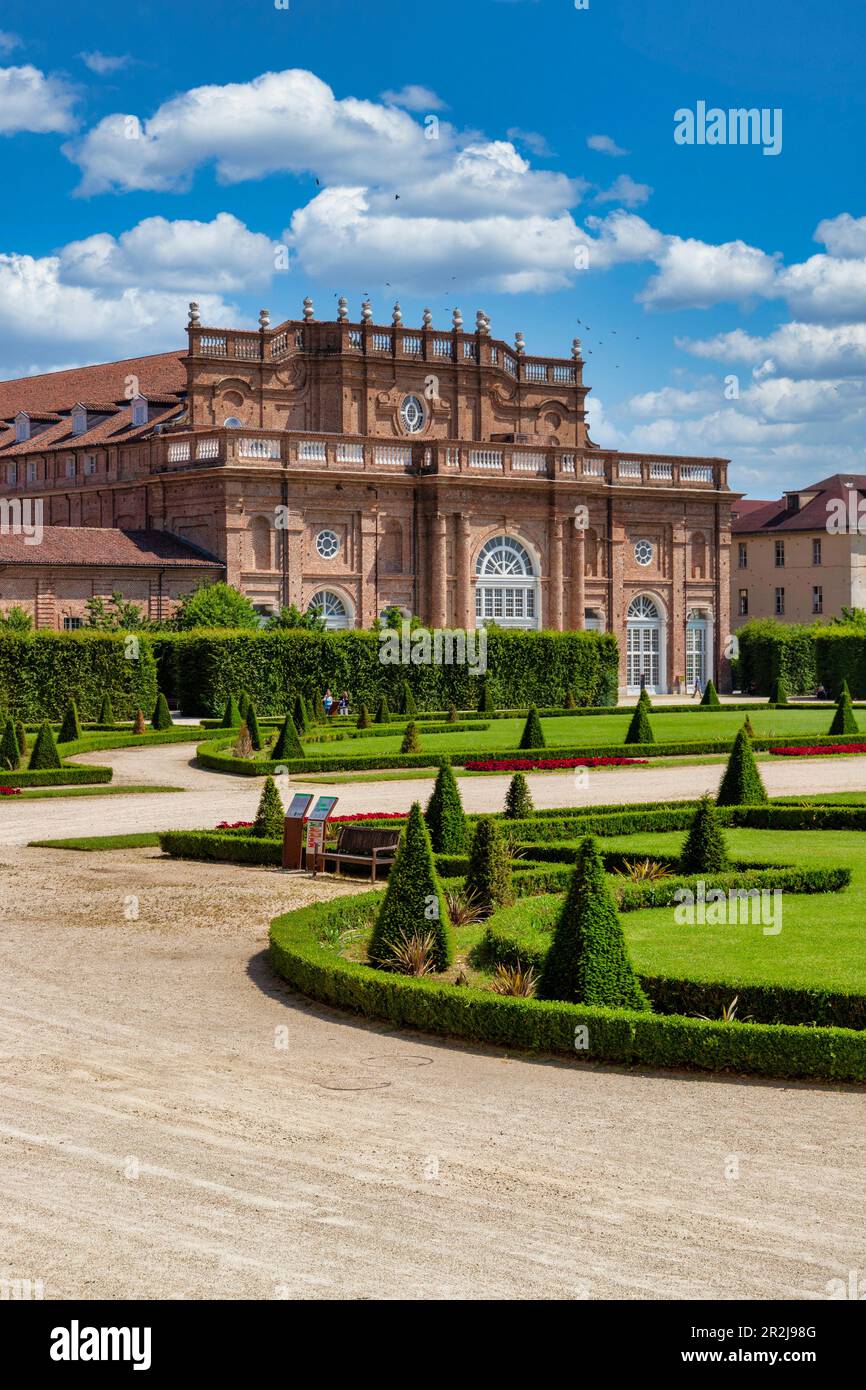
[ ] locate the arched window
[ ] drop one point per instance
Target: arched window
(330, 607)
(644, 644)
(698, 643)
(507, 586)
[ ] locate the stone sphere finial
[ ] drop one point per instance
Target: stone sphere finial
(519, 342)
(427, 319)
(457, 321)
(343, 309)
(397, 315)
(366, 311)
(193, 313)
(482, 322)
(575, 348)
(264, 318)
(308, 310)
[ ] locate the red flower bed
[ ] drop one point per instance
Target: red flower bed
(810, 750)
(542, 764)
(10, 791)
(234, 825)
(370, 815)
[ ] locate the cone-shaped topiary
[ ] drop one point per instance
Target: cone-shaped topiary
(364, 721)
(253, 726)
(21, 735)
(411, 743)
(747, 725)
(533, 735)
(644, 699)
(300, 718)
(741, 784)
(288, 744)
(244, 704)
(407, 700)
(843, 720)
(710, 695)
(518, 802)
(161, 715)
(10, 753)
(444, 815)
(452, 714)
(268, 823)
(489, 876)
(414, 904)
(106, 713)
(704, 850)
(138, 724)
(640, 729)
(485, 700)
(383, 714)
(778, 692)
(231, 713)
(588, 961)
(570, 702)
(45, 752)
(70, 729)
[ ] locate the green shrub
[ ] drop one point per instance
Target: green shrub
(364, 721)
(288, 745)
(407, 700)
(489, 876)
(644, 699)
(414, 902)
(161, 715)
(70, 729)
(42, 671)
(570, 702)
(485, 700)
(518, 801)
(44, 754)
(444, 815)
(778, 692)
(106, 713)
(300, 718)
(533, 735)
(383, 714)
(588, 961)
(411, 742)
(231, 713)
(452, 714)
(243, 705)
(747, 727)
(253, 726)
(640, 729)
(268, 824)
(704, 850)
(741, 784)
(843, 719)
(710, 695)
(21, 734)
(10, 753)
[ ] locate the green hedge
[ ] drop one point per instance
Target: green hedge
(41, 672)
(301, 955)
(56, 777)
(523, 667)
(803, 657)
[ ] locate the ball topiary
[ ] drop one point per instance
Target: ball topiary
(704, 850)
(489, 876)
(588, 961)
(640, 729)
(161, 715)
(414, 903)
(518, 802)
(741, 784)
(44, 754)
(444, 815)
(268, 823)
(533, 735)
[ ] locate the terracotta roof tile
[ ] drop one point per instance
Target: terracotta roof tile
(777, 516)
(105, 546)
(162, 373)
(113, 429)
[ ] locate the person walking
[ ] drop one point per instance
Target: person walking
(698, 689)
(344, 702)
(328, 703)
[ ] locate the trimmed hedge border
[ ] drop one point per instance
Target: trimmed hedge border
(629, 1038)
(64, 776)
(41, 672)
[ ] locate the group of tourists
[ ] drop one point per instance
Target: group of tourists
(332, 706)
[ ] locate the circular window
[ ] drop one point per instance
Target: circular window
(412, 414)
(327, 544)
(643, 552)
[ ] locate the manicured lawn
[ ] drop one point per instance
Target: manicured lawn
(45, 793)
(100, 842)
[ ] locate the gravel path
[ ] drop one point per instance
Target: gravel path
(155, 1142)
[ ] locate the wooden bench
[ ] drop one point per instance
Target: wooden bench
(361, 844)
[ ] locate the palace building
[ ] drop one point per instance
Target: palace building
(352, 466)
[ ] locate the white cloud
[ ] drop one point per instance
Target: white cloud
(104, 63)
(621, 237)
(533, 141)
(414, 98)
(8, 41)
(603, 144)
(799, 350)
(220, 256)
(32, 101)
(844, 235)
(694, 274)
(826, 289)
(625, 190)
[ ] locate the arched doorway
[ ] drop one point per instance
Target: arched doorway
(699, 647)
(506, 584)
(332, 608)
(645, 644)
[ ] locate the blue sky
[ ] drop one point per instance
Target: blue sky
(166, 155)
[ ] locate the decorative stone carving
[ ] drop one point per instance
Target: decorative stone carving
(343, 309)
(264, 318)
(366, 312)
(194, 319)
(427, 319)
(308, 310)
(457, 321)
(397, 315)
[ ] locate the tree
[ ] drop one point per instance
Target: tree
(588, 961)
(138, 724)
(849, 617)
(292, 617)
(70, 729)
(778, 692)
(231, 713)
(161, 715)
(115, 614)
(383, 714)
(268, 823)
(10, 753)
(15, 619)
(518, 802)
(485, 700)
(489, 876)
(253, 726)
(288, 745)
(414, 903)
(843, 720)
(533, 735)
(106, 712)
(411, 743)
(363, 721)
(710, 695)
(215, 605)
(299, 715)
(640, 729)
(704, 850)
(407, 700)
(741, 784)
(444, 815)
(45, 754)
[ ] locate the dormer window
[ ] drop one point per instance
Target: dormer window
(79, 420)
(139, 410)
(22, 427)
